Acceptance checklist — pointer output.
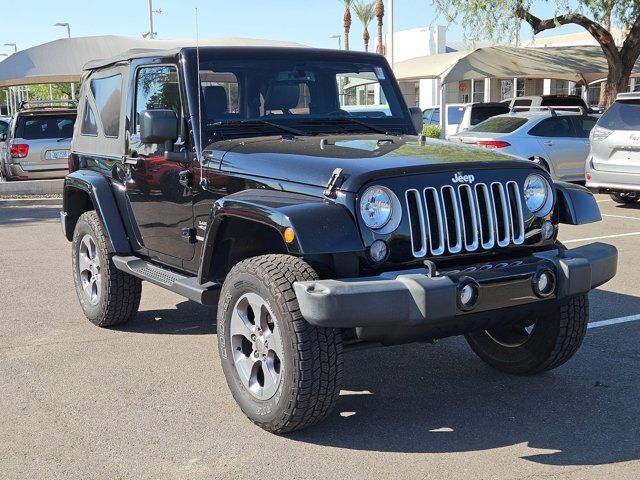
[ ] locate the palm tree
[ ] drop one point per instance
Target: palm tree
(380, 16)
(365, 12)
(348, 4)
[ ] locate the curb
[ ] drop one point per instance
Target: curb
(32, 187)
(29, 202)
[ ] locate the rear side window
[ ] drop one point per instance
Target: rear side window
(553, 127)
(4, 126)
(156, 89)
(89, 126)
(45, 127)
(584, 125)
(622, 115)
(454, 115)
(499, 125)
(480, 113)
(107, 93)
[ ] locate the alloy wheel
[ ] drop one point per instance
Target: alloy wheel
(89, 266)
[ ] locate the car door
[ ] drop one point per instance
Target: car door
(583, 125)
(161, 205)
(564, 150)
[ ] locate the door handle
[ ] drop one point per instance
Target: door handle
(549, 143)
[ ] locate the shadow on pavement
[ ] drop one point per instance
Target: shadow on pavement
(188, 318)
(24, 214)
(442, 399)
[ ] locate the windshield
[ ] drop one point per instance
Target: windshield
(45, 127)
(623, 115)
(297, 94)
(499, 125)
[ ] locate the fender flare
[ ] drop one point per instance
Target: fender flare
(320, 226)
(99, 190)
(576, 204)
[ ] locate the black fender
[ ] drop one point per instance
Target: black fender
(576, 204)
(320, 226)
(100, 191)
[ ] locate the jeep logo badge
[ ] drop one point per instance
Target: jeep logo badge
(459, 178)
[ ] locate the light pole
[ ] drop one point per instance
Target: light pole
(151, 34)
(15, 47)
(64, 24)
(73, 85)
(339, 37)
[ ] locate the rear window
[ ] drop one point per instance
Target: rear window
(44, 127)
(623, 115)
(562, 102)
(482, 113)
(499, 125)
(454, 115)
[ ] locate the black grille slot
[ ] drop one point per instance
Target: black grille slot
(415, 215)
(435, 230)
(516, 216)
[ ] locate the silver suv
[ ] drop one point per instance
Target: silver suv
(38, 141)
(613, 165)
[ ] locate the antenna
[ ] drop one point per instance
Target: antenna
(203, 181)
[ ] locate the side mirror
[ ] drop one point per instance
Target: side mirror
(158, 126)
(416, 118)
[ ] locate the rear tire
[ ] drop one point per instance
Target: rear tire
(624, 198)
(284, 373)
(554, 338)
(107, 295)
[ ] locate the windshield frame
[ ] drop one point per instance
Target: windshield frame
(216, 131)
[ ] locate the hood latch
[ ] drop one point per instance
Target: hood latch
(335, 182)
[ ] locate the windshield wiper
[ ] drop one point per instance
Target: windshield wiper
(290, 130)
(357, 122)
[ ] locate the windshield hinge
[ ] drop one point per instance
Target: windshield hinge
(188, 235)
(335, 182)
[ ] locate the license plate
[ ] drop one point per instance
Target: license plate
(57, 155)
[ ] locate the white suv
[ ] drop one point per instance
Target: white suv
(613, 165)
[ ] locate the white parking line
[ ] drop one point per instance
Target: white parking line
(620, 216)
(614, 321)
(602, 201)
(602, 238)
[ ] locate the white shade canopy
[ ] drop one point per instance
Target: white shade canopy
(581, 64)
(62, 60)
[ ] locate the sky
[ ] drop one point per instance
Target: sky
(311, 22)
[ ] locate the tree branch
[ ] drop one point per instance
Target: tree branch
(631, 47)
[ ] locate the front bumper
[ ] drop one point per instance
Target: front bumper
(412, 298)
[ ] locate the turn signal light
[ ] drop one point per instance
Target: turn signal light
(289, 235)
(492, 144)
(19, 150)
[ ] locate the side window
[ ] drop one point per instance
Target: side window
(584, 125)
(89, 126)
(553, 127)
(156, 89)
(435, 118)
(107, 92)
(3, 127)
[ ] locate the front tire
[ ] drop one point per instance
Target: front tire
(284, 373)
(107, 296)
(548, 342)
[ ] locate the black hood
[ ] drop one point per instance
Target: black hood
(311, 160)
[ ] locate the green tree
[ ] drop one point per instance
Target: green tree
(502, 20)
(348, 5)
(365, 12)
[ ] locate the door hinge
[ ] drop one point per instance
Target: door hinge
(335, 182)
(189, 235)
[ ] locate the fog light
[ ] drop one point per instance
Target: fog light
(547, 230)
(468, 293)
(378, 251)
(544, 284)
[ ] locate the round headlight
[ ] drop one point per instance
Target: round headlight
(376, 207)
(538, 195)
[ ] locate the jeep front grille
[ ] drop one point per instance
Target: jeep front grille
(464, 218)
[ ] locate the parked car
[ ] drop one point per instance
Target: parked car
(567, 102)
(557, 140)
(311, 228)
(462, 116)
(38, 140)
(613, 165)
(4, 126)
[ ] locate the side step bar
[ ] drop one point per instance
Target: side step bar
(189, 287)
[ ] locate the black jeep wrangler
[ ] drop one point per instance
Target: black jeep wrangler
(288, 186)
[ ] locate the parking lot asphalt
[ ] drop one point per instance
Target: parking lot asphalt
(149, 400)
